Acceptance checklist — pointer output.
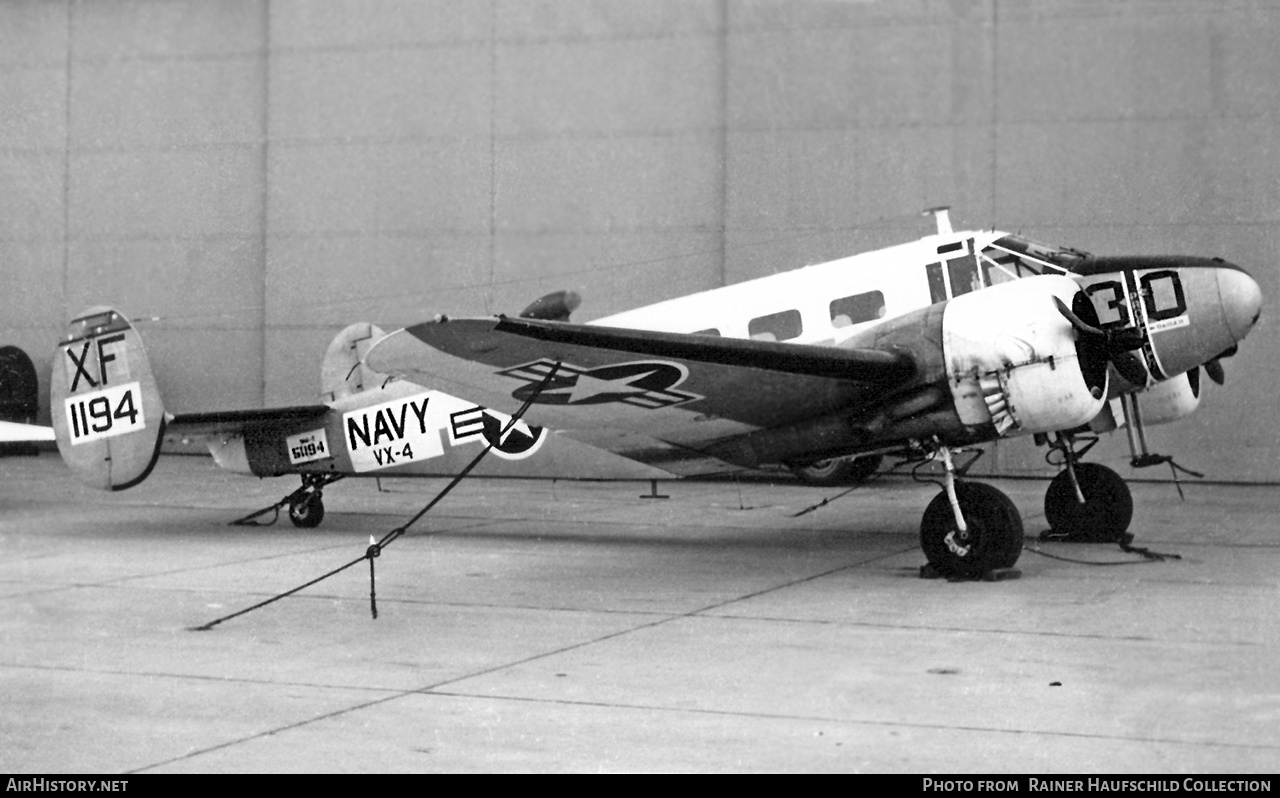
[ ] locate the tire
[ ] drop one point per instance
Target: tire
(839, 470)
(992, 541)
(1106, 513)
(307, 512)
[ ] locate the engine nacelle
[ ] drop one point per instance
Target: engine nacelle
(1175, 398)
(1013, 360)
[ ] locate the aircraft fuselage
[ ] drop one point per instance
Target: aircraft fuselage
(1191, 310)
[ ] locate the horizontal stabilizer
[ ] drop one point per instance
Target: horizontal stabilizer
(235, 422)
(12, 432)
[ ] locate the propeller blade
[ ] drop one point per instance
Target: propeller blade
(1131, 369)
(1114, 342)
(1075, 320)
(1214, 369)
(1125, 340)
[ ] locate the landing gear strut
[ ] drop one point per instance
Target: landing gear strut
(306, 504)
(970, 529)
(1086, 502)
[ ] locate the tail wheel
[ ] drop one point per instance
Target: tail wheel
(992, 540)
(1107, 510)
(839, 470)
(308, 511)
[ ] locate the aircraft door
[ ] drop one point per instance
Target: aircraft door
(956, 274)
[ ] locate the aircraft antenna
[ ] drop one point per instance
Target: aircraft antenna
(942, 216)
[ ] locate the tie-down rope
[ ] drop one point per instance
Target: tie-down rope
(375, 549)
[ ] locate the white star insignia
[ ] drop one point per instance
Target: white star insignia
(588, 387)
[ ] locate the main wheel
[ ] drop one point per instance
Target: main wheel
(992, 540)
(839, 470)
(308, 511)
(1107, 510)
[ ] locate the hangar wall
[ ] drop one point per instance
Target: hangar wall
(256, 174)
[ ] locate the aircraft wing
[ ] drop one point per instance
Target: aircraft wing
(190, 426)
(657, 397)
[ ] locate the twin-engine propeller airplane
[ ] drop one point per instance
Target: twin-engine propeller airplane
(954, 340)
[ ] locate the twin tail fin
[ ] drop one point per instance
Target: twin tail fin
(108, 419)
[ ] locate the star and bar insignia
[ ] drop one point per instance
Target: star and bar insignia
(648, 383)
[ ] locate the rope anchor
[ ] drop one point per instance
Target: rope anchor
(376, 546)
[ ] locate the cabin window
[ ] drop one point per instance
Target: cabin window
(776, 326)
(708, 331)
(857, 309)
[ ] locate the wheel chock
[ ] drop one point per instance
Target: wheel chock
(1001, 575)
(927, 571)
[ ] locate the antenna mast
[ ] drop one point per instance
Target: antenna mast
(942, 216)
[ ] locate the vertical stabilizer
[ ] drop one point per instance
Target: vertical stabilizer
(343, 372)
(107, 414)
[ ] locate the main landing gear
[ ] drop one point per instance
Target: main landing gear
(1085, 502)
(839, 470)
(970, 530)
(306, 504)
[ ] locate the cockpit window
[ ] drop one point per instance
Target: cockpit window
(1012, 257)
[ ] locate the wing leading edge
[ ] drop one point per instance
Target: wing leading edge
(871, 366)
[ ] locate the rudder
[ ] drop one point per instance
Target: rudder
(107, 415)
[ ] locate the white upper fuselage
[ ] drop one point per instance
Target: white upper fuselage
(821, 304)
(1191, 310)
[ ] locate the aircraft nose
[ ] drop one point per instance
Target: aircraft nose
(1241, 301)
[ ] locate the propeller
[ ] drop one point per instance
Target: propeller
(555, 306)
(1214, 367)
(1115, 344)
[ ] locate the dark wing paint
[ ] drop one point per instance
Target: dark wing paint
(727, 387)
(870, 366)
